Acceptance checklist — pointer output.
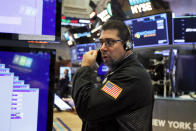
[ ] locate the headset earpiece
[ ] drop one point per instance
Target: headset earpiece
(128, 45)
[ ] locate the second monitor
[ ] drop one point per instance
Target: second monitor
(184, 29)
(150, 30)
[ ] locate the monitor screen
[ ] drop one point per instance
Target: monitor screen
(186, 73)
(35, 17)
(81, 49)
(27, 81)
(184, 30)
(150, 30)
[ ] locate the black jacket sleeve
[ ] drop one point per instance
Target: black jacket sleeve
(93, 104)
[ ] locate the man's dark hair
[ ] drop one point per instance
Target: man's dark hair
(123, 31)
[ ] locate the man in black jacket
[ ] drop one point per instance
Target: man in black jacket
(63, 83)
(123, 101)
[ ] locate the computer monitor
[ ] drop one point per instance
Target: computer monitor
(26, 93)
(83, 48)
(186, 72)
(35, 17)
(151, 30)
(184, 30)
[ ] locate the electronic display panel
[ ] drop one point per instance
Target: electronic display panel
(35, 17)
(184, 30)
(186, 73)
(150, 30)
(83, 48)
(27, 81)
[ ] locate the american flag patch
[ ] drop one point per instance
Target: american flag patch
(112, 89)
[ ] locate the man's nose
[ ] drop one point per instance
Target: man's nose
(103, 47)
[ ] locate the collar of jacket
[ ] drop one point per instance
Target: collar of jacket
(128, 59)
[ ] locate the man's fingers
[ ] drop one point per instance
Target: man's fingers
(92, 52)
(89, 58)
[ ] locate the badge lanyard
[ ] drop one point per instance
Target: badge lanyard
(106, 78)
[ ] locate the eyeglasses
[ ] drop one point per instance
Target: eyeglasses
(108, 42)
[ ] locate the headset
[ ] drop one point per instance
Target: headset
(128, 45)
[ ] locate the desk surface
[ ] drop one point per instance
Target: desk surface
(66, 121)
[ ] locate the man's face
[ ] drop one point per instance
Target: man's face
(111, 54)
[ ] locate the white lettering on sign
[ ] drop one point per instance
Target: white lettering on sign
(141, 7)
(157, 122)
(180, 125)
(194, 126)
